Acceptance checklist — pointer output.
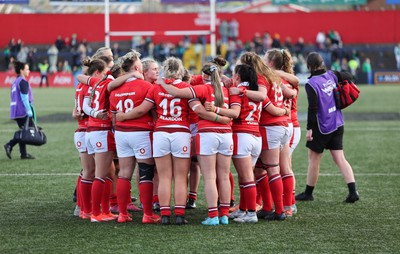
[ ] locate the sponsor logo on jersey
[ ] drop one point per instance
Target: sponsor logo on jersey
(165, 95)
(124, 94)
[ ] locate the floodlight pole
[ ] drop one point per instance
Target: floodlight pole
(107, 23)
(212, 28)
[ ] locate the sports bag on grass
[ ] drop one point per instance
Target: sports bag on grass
(31, 135)
(345, 93)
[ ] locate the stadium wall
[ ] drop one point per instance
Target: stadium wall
(354, 27)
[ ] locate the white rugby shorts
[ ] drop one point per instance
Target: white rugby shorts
(133, 144)
(209, 143)
(100, 141)
(246, 144)
(177, 144)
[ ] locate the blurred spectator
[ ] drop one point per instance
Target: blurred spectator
(186, 41)
(117, 52)
(288, 44)
(19, 45)
(80, 53)
(299, 46)
(258, 44)
(233, 31)
(52, 53)
(266, 41)
(74, 42)
(320, 40)
(11, 67)
(223, 31)
(397, 55)
(276, 42)
(44, 72)
(67, 43)
(345, 65)
(12, 45)
(59, 43)
(66, 67)
(336, 65)
(22, 55)
(335, 38)
(7, 55)
(60, 65)
(367, 69)
(353, 65)
(32, 59)
(136, 41)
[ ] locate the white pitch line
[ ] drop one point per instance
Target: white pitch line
(298, 174)
(372, 129)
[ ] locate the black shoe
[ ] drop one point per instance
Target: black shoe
(156, 207)
(275, 216)
(262, 214)
(133, 199)
(352, 198)
(304, 197)
(165, 220)
(27, 157)
(180, 220)
(232, 204)
(8, 149)
(191, 204)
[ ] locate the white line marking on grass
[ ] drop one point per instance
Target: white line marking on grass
(299, 174)
(40, 174)
(377, 129)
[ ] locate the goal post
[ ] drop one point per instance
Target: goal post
(108, 33)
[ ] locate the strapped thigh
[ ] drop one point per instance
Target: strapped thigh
(260, 164)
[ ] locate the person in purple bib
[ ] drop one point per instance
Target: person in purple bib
(325, 126)
(20, 107)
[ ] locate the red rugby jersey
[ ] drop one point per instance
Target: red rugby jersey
(124, 98)
(80, 92)
(205, 93)
(173, 113)
(274, 93)
(100, 101)
(293, 113)
(250, 112)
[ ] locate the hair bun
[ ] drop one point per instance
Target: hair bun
(219, 60)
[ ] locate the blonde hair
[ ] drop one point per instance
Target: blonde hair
(173, 68)
(146, 63)
(212, 70)
(252, 59)
(281, 59)
(129, 59)
(100, 52)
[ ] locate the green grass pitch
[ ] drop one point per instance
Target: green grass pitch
(36, 195)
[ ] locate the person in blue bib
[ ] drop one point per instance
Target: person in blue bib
(20, 107)
(325, 127)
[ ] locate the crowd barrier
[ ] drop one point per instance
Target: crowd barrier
(59, 79)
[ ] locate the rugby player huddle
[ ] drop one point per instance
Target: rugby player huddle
(178, 123)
